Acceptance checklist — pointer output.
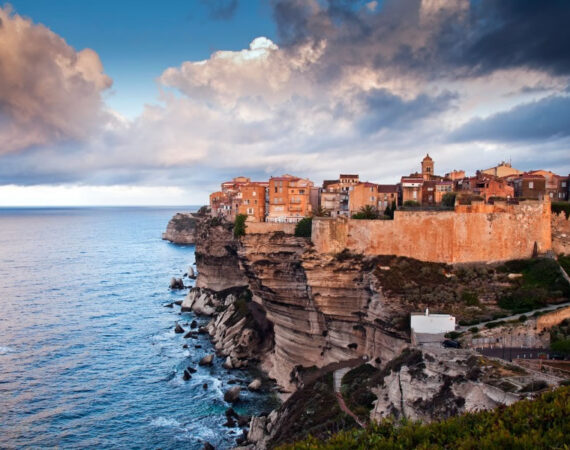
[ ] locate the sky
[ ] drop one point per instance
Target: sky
(139, 103)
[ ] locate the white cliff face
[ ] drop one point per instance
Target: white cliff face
(181, 229)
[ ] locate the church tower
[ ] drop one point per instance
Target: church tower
(427, 167)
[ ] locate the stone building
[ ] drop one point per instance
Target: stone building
(503, 169)
(289, 199)
(529, 186)
(334, 196)
(411, 188)
(253, 200)
(427, 167)
(556, 186)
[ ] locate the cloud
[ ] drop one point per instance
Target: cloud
(48, 91)
(548, 118)
(347, 86)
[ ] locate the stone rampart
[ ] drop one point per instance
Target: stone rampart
(472, 233)
(269, 227)
(551, 319)
(560, 234)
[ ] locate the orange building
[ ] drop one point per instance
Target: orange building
(412, 189)
(253, 201)
(455, 175)
(555, 185)
(486, 186)
(334, 195)
(362, 195)
(289, 198)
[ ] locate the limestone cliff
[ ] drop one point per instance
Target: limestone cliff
(181, 229)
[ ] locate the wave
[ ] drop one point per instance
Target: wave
(6, 350)
(165, 422)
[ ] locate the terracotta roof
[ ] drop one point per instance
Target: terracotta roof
(348, 176)
(387, 188)
(427, 158)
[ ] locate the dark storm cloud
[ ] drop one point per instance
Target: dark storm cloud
(545, 119)
(454, 39)
(386, 110)
(221, 9)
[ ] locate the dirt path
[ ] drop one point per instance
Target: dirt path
(347, 410)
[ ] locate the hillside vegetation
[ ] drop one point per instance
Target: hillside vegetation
(528, 424)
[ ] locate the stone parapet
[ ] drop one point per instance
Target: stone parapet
(471, 233)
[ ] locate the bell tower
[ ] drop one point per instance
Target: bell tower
(427, 167)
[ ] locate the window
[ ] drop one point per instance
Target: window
(250, 211)
(372, 198)
(564, 184)
(531, 184)
(415, 195)
(255, 202)
(276, 189)
(301, 191)
(254, 193)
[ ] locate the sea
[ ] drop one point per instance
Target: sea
(88, 353)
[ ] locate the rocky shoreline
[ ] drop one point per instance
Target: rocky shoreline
(276, 305)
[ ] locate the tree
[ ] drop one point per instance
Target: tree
(389, 211)
(367, 212)
(304, 227)
(411, 204)
(321, 212)
(448, 199)
(239, 225)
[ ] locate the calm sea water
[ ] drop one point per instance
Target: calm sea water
(88, 355)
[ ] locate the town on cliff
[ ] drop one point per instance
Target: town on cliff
(455, 299)
(287, 198)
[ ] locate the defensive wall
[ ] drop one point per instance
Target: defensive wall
(561, 233)
(551, 319)
(471, 233)
(269, 227)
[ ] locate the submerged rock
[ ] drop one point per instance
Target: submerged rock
(178, 329)
(208, 446)
(232, 394)
(193, 324)
(207, 360)
(186, 375)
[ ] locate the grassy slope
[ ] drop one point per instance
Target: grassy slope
(529, 424)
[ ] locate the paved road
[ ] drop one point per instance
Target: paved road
(516, 316)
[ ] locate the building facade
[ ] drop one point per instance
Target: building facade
(289, 199)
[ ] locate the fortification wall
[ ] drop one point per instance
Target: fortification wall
(560, 234)
(471, 233)
(269, 227)
(551, 319)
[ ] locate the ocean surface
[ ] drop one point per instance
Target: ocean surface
(88, 353)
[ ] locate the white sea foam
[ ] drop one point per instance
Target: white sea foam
(165, 422)
(5, 350)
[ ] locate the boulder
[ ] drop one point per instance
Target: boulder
(232, 394)
(169, 305)
(194, 324)
(208, 446)
(191, 369)
(227, 363)
(207, 360)
(255, 385)
(230, 422)
(205, 386)
(178, 329)
(191, 273)
(243, 421)
(186, 375)
(176, 283)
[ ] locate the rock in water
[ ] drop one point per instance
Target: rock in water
(178, 329)
(176, 283)
(207, 360)
(255, 385)
(205, 386)
(208, 446)
(191, 273)
(227, 363)
(191, 369)
(232, 395)
(186, 375)
(194, 324)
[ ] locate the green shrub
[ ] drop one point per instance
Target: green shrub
(496, 324)
(239, 225)
(528, 424)
(469, 298)
(411, 204)
(448, 199)
(304, 227)
(453, 334)
(474, 329)
(367, 213)
(523, 318)
(558, 207)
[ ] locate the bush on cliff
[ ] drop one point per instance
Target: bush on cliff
(367, 213)
(239, 225)
(539, 423)
(558, 207)
(304, 227)
(448, 199)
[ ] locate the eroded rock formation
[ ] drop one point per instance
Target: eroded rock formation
(181, 229)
